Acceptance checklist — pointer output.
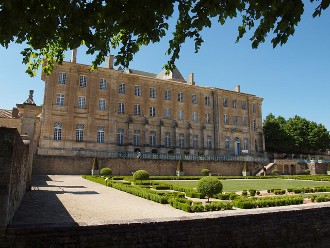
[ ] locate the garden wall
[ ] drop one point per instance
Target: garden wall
(289, 228)
(13, 173)
(52, 165)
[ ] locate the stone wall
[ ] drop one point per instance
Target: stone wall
(13, 173)
(281, 228)
(52, 165)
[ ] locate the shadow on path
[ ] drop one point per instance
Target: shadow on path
(41, 206)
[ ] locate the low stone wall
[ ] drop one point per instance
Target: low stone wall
(60, 165)
(13, 173)
(289, 228)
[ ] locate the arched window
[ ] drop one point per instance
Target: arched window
(181, 140)
(120, 136)
(100, 134)
(80, 132)
(167, 139)
(152, 138)
(136, 137)
(58, 131)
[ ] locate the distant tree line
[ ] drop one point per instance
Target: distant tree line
(295, 135)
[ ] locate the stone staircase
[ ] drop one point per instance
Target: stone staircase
(268, 166)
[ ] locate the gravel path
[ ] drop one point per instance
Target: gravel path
(72, 200)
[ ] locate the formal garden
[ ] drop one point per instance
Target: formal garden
(214, 193)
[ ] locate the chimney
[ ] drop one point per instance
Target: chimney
(14, 113)
(74, 56)
(191, 79)
(109, 62)
(237, 88)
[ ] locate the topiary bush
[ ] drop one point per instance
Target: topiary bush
(106, 172)
(205, 172)
(141, 175)
(209, 186)
(95, 165)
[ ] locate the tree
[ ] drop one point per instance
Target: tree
(205, 172)
(106, 172)
(95, 165)
(209, 186)
(141, 175)
(51, 27)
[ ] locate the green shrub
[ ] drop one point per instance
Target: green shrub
(227, 196)
(244, 192)
(217, 206)
(322, 198)
(141, 175)
(161, 187)
(194, 194)
(95, 165)
(179, 166)
(279, 191)
(205, 172)
(275, 172)
(252, 192)
(247, 203)
(307, 172)
(106, 172)
(197, 207)
(209, 186)
(117, 178)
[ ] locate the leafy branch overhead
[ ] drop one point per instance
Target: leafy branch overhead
(50, 27)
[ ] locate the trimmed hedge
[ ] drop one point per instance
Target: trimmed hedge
(217, 206)
(227, 196)
(261, 202)
(161, 187)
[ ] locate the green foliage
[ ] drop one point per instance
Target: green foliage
(95, 165)
(261, 202)
(179, 166)
(227, 196)
(106, 172)
(162, 187)
(197, 207)
(275, 172)
(252, 192)
(141, 175)
(205, 172)
(209, 186)
(296, 134)
(126, 26)
(217, 206)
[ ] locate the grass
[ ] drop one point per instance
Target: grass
(233, 185)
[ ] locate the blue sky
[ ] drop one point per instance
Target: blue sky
(293, 79)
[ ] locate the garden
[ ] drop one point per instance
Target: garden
(214, 193)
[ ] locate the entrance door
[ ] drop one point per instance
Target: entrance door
(237, 146)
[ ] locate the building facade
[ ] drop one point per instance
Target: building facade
(109, 110)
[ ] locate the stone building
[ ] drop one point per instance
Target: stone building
(93, 113)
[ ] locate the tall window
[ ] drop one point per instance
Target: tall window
(167, 139)
(254, 125)
(100, 134)
(180, 96)
(235, 120)
(167, 113)
(103, 84)
(120, 136)
(101, 104)
(209, 142)
(195, 141)
(244, 121)
(180, 114)
(136, 137)
(57, 131)
(83, 81)
(167, 94)
(62, 78)
(255, 146)
(121, 108)
(181, 140)
(226, 119)
(60, 99)
(122, 88)
(194, 116)
(245, 144)
(81, 102)
(253, 108)
(152, 111)
(207, 101)
(137, 109)
(80, 132)
(207, 118)
(152, 92)
(194, 99)
(152, 138)
(243, 105)
(227, 143)
(234, 104)
(225, 102)
(137, 90)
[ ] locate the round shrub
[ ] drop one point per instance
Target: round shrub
(106, 172)
(205, 172)
(141, 175)
(209, 186)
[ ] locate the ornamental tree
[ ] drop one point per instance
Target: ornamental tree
(49, 28)
(209, 186)
(141, 175)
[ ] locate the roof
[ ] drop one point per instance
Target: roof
(175, 75)
(5, 113)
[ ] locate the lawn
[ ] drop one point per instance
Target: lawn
(233, 185)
